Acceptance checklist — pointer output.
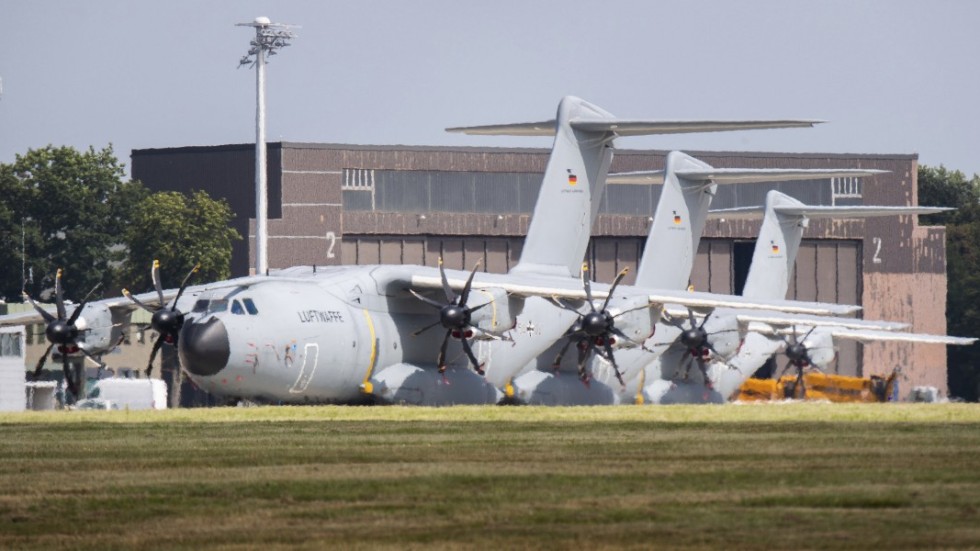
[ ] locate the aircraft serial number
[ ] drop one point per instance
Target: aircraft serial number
(321, 316)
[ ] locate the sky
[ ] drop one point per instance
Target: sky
(891, 76)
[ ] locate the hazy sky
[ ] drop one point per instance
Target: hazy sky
(889, 76)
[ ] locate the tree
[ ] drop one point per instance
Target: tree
(179, 231)
(71, 207)
(941, 187)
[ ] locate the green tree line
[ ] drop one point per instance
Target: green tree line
(951, 188)
(75, 210)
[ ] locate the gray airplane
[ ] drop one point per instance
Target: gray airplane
(708, 369)
(668, 256)
(405, 333)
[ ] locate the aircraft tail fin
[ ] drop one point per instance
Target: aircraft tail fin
(568, 201)
(678, 222)
(783, 221)
(575, 177)
(689, 186)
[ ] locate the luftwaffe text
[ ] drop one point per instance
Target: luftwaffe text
(321, 316)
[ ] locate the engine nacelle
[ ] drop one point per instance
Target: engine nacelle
(500, 315)
(634, 317)
(723, 334)
(820, 348)
(96, 335)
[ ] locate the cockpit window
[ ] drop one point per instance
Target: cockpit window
(236, 308)
(200, 306)
(217, 306)
(250, 306)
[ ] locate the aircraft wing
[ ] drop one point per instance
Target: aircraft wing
(629, 127)
(786, 320)
(571, 289)
(890, 336)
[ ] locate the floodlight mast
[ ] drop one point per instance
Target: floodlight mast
(269, 38)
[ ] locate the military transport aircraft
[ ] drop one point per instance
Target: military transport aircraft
(668, 256)
(705, 370)
(343, 334)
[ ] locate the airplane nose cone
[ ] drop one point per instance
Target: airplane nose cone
(204, 348)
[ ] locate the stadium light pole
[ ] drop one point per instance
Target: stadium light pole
(269, 38)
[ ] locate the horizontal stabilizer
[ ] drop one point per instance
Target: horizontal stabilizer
(810, 211)
(543, 128)
(739, 175)
(629, 127)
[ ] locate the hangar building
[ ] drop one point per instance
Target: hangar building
(335, 204)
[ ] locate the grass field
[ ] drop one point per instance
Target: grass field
(736, 476)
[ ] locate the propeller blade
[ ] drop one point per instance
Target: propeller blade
(155, 274)
(561, 304)
(137, 301)
(59, 300)
(705, 320)
(475, 308)
(691, 318)
(587, 284)
(704, 371)
(441, 362)
(799, 384)
(450, 296)
(557, 362)
(69, 380)
(612, 360)
(79, 382)
(40, 362)
(612, 289)
(633, 309)
(477, 366)
(153, 354)
(583, 357)
(426, 328)
(78, 309)
(675, 322)
(44, 313)
(425, 299)
(183, 285)
(469, 282)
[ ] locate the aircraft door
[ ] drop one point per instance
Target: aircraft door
(311, 356)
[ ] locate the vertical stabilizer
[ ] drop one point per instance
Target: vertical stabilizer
(677, 225)
(570, 192)
(775, 250)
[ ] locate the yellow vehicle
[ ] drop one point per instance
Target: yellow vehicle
(820, 386)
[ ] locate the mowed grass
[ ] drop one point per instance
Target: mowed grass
(738, 476)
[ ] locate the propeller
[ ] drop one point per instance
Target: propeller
(798, 356)
(62, 332)
(596, 331)
(166, 319)
(454, 316)
(695, 338)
